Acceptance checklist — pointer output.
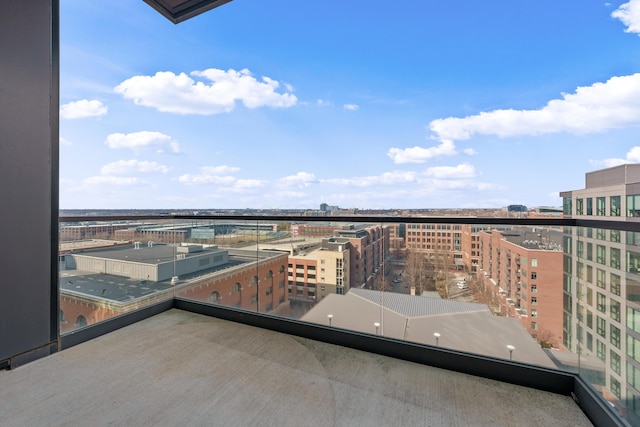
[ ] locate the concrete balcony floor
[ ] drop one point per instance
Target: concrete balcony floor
(180, 368)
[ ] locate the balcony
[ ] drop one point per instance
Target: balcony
(182, 368)
(353, 312)
(144, 354)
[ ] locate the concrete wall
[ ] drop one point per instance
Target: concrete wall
(28, 172)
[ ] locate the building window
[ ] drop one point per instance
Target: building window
(601, 303)
(633, 206)
(281, 300)
(614, 206)
(534, 300)
(615, 284)
(601, 206)
(534, 313)
(601, 327)
(601, 255)
(566, 206)
(633, 320)
(534, 288)
(633, 262)
(601, 234)
(269, 290)
(534, 275)
(614, 236)
(615, 387)
(81, 321)
(589, 342)
(590, 251)
(601, 350)
(236, 288)
(615, 310)
(281, 284)
(534, 262)
(589, 206)
(601, 278)
(580, 249)
(534, 326)
(614, 258)
(214, 297)
(615, 336)
(579, 206)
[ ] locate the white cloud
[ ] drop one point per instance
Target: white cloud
(143, 140)
(286, 195)
(249, 183)
(323, 103)
(300, 180)
(601, 106)
(387, 178)
(64, 141)
(421, 154)
(113, 180)
(469, 151)
(629, 14)
(129, 167)
(218, 170)
(351, 107)
(633, 156)
(218, 175)
(168, 92)
(464, 170)
(82, 109)
(206, 179)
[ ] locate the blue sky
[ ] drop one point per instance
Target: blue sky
(367, 104)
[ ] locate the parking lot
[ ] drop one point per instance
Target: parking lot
(459, 292)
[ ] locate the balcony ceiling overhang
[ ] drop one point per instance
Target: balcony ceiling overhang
(180, 10)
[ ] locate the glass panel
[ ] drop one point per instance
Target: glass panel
(109, 268)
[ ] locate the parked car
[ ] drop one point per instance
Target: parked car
(397, 280)
(462, 285)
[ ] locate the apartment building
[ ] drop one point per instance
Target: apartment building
(323, 271)
(370, 251)
(602, 282)
(523, 277)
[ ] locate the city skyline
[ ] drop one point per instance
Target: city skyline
(454, 105)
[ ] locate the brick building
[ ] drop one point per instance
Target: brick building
(523, 275)
(113, 281)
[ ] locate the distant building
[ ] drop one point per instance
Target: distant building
(98, 284)
(463, 326)
(315, 274)
(602, 282)
(522, 271)
(370, 250)
(516, 208)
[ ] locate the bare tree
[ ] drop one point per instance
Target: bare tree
(416, 271)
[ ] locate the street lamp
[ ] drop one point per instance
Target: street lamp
(437, 335)
(510, 348)
(377, 325)
(329, 316)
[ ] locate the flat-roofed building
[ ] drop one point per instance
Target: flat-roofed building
(602, 282)
(523, 276)
(99, 284)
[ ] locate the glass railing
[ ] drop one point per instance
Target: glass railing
(547, 293)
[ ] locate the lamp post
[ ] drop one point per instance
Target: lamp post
(329, 316)
(510, 348)
(377, 325)
(437, 335)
